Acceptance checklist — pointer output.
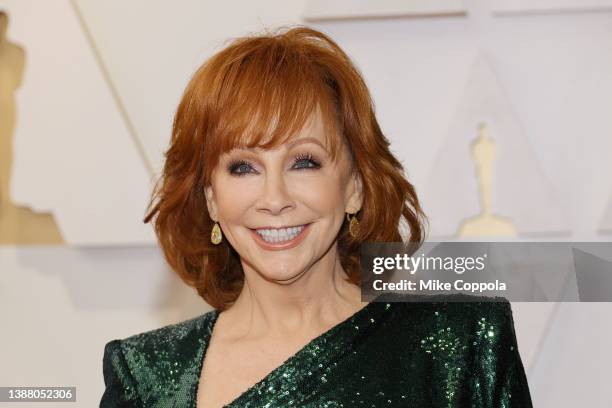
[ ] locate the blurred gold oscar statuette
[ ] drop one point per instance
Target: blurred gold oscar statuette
(485, 223)
(18, 225)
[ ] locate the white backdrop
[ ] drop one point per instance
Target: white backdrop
(70, 138)
(95, 112)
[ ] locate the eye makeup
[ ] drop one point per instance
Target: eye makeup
(301, 161)
(235, 165)
(311, 162)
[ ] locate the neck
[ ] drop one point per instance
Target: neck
(315, 301)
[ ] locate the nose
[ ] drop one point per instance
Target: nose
(275, 197)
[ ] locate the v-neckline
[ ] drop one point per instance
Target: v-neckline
(356, 320)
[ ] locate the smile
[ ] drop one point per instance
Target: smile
(280, 238)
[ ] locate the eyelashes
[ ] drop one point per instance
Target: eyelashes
(307, 158)
(302, 161)
(234, 167)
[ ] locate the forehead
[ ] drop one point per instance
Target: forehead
(317, 129)
(313, 131)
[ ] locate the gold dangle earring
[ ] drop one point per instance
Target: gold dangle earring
(216, 235)
(353, 224)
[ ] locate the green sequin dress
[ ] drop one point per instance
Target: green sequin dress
(388, 354)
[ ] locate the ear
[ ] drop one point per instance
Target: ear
(211, 202)
(355, 194)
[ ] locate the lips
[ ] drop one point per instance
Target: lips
(280, 235)
(278, 228)
(280, 238)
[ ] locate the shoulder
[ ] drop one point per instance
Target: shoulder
(460, 307)
(167, 335)
(159, 359)
(163, 339)
(467, 339)
(469, 321)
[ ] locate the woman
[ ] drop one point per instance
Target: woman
(276, 173)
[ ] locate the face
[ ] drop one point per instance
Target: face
(281, 209)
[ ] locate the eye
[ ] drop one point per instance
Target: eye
(239, 167)
(301, 162)
(306, 161)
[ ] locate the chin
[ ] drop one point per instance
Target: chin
(280, 273)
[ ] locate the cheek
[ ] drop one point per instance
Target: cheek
(323, 193)
(234, 198)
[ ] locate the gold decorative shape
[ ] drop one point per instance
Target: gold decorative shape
(18, 225)
(216, 236)
(485, 224)
(353, 225)
(519, 189)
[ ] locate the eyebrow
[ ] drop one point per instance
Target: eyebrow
(297, 142)
(308, 139)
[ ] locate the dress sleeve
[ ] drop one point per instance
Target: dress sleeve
(120, 389)
(499, 376)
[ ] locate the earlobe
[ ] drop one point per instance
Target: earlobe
(210, 202)
(356, 199)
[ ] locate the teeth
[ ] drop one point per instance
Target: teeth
(281, 234)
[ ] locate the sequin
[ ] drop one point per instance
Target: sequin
(388, 354)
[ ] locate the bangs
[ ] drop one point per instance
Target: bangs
(260, 92)
(265, 97)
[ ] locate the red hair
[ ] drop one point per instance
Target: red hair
(258, 92)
